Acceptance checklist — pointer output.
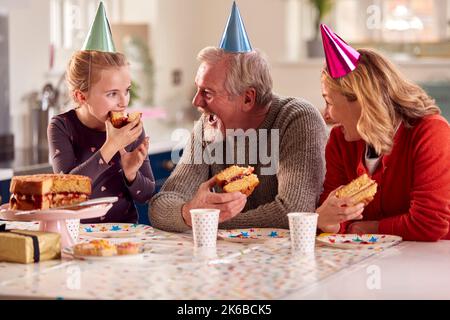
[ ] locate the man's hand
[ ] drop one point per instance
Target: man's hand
(335, 210)
(229, 204)
(132, 161)
(361, 227)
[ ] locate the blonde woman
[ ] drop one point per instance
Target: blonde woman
(392, 130)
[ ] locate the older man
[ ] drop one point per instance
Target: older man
(234, 93)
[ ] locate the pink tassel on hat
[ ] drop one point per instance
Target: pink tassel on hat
(341, 58)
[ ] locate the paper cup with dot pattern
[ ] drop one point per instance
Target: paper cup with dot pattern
(205, 253)
(302, 227)
(73, 226)
(204, 227)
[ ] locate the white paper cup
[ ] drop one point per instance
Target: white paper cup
(205, 253)
(302, 227)
(73, 226)
(204, 227)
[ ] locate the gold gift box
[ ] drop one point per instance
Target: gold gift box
(25, 246)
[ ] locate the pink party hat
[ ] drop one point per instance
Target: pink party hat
(341, 58)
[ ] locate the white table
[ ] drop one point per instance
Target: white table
(410, 270)
(172, 269)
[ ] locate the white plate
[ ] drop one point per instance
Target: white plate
(358, 241)
(94, 211)
(252, 234)
(71, 207)
(112, 230)
(116, 258)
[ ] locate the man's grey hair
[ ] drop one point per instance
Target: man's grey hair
(245, 70)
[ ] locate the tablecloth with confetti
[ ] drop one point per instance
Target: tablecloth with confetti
(173, 269)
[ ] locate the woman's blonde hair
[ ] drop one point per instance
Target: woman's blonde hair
(245, 70)
(386, 98)
(84, 66)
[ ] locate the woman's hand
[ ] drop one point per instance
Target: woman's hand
(118, 139)
(334, 211)
(361, 227)
(132, 161)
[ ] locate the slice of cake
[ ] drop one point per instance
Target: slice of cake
(121, 119)
(128, 248)
(237, 178)
(43, 191)
(118, 119)
(97, 247)
(361, 189)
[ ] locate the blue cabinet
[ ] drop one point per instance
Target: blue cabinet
(440, 91)
(4, 190)
(162, 166)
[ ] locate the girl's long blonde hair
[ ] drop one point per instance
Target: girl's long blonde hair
(84, 66)
(386, 98)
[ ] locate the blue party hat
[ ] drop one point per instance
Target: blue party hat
(235, 37)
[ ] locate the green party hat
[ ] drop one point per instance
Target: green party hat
(99, 37)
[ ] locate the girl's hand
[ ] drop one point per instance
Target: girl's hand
(132, 161)
(124, 136)
(334, 211)
(118, 139)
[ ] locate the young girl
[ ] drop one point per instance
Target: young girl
(83, 140)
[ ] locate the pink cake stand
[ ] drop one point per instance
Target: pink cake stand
(55, 220)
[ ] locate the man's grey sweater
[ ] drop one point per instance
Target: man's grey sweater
(293, 186)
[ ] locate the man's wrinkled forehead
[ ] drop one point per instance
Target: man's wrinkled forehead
(211, 76)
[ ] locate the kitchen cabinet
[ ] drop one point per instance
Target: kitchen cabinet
(441, 93)
(5, 180)
(4, 190)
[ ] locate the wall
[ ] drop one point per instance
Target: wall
(303, 79)
(200, 23)
(136, 11)
(183, 28)
(4, 70)
(29, 60)
(178, 30)
(175, 43)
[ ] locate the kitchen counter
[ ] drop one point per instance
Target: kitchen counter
(6, 174)
(29, 159)
(162, 135)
